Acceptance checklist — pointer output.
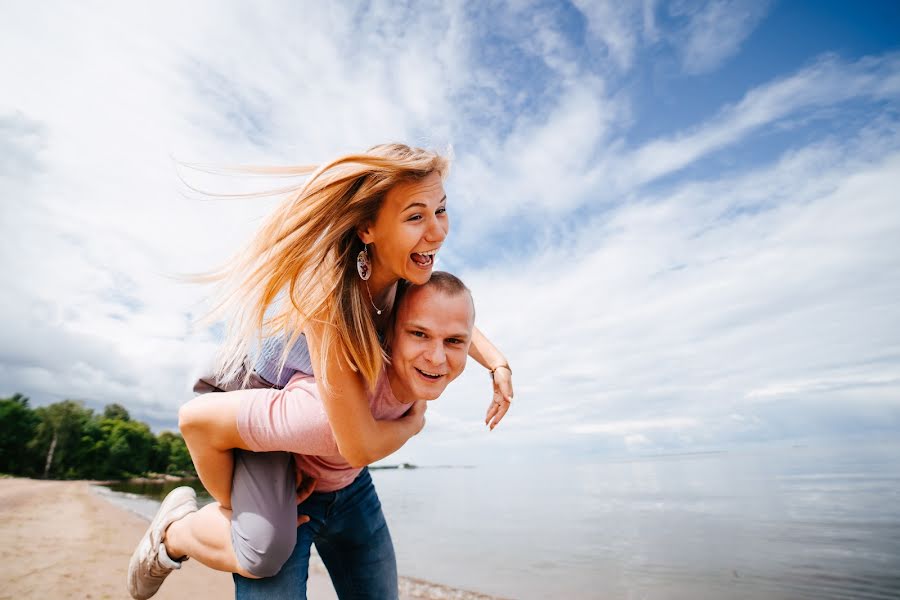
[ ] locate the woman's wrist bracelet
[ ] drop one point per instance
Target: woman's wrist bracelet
(503, 366)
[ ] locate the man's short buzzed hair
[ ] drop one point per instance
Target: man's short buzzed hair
(447, 283)
(441, 281)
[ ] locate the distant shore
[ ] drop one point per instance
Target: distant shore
(153, 478)
(62, 540)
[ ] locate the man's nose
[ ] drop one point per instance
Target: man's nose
(435, 354)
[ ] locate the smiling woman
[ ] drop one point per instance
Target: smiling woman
(406, 238)
(321, 278)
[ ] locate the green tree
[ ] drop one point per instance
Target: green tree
(116, 411)
(171, 455)
(17, 425)
(92, 459)
(162, 448)
(130, 445)
(180, 461)
(58, 437)
(67, 440)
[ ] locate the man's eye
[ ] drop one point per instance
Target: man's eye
(454, 341)
(418, 333)
(441, 210)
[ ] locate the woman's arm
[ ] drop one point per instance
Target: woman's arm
(488, 356)
(360, 438)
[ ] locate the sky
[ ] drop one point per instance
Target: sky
(680, 221)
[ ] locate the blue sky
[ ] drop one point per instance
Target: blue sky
(679, 219)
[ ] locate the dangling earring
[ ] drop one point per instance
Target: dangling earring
(363, 266)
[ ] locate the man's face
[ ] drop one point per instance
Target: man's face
(430, 342)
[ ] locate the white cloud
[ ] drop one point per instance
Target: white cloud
(614, 25)
(704, 35)
(575, 156)
(826, 83)
(714, 31)
(650, 29)
(682, 307)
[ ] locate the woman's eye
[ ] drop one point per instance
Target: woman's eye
(454, 341)
(442, 210)
(415, 218)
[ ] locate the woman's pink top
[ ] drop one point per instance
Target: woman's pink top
(293, 419)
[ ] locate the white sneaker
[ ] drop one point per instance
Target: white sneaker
(147, 568)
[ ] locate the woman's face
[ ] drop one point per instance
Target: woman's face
(408, 231)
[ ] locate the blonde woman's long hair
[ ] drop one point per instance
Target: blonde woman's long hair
(301, 263)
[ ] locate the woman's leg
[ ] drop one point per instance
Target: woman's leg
(206, 537)
(356, 545)
(291, 581)
(264, 521)
(258, 535)
(150, 565)
(208, 424)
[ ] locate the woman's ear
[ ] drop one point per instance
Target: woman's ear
(364, 232)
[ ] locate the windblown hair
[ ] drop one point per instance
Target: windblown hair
(300, 266)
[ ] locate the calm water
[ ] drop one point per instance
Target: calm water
(788, 523)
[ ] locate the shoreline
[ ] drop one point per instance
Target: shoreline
(63, 539)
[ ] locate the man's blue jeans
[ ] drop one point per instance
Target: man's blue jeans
(352, 537)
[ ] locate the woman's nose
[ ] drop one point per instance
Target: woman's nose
(437, 231)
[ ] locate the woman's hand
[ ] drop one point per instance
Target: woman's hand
(488, 356)
(306, 485)
(503, 395)
(415, 416)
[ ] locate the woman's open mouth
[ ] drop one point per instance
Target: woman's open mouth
(423, 259)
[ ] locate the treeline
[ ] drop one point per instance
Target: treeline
(68, 441)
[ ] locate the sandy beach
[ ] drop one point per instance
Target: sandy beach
(61, 540)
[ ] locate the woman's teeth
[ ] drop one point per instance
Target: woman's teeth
(423, 259)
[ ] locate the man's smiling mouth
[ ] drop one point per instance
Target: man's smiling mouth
(432, 376)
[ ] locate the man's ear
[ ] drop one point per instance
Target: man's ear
(364, 232)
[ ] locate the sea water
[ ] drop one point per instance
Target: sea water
(816, 521)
